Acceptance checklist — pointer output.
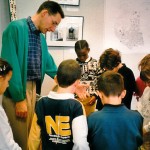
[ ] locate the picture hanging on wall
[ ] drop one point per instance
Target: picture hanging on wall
(12, 10)
(68, 2)
(67, 33)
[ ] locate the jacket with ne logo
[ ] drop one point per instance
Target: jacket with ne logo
(61, 123)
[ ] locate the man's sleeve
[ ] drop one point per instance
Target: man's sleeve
(10, 48)
(51, 68)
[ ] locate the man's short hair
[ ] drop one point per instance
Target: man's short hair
(52, 8)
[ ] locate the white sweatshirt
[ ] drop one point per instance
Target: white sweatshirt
(6, 136)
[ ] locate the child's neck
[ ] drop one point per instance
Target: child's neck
(113, 100)
(66, 90)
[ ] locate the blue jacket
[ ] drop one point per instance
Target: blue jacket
(115, 127)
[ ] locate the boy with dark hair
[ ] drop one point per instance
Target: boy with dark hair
(110, 59)
(59, 120)
(115, 127)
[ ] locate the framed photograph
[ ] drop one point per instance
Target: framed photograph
(67, 33)
(68, 2)
(12, 10)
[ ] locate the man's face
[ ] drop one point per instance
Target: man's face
(49, 22)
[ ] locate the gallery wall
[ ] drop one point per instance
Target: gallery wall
(4, 16)
(94, 30)
(93, 13)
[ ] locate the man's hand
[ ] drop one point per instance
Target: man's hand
(21, 109)
(81, 91)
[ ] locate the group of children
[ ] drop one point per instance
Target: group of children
(63, 121)
(115, 126)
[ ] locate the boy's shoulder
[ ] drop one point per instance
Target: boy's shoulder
(47, 99)
(93, 60)
(95, 115)
(126, 112)
(135, 113)
(70, 106)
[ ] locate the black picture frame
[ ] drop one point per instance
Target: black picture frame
(68, 2)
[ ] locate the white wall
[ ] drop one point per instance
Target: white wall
(93, 12)
(93, 32)
(4, 19)
(4, 16)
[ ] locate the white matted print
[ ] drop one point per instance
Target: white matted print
(68, 2)
(127, 25)
(67, 33)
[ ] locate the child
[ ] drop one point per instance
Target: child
(89, 68)
(115, 127)
(144, 102)
(59, 120)
(111, 60)
(140, 86)
(6, 136)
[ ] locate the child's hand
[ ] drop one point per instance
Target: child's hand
(81, 91)
(92, 100)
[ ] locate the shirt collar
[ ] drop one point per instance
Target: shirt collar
(55, 95)
(87, 60)
(31, 25)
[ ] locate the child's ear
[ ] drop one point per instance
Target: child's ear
(55, 79)
(99, 94)
(123, 94)
(77, 82)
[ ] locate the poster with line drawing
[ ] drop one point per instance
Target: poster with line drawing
(127, 25)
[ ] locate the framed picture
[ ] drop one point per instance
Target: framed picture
(12, 10)
(67, 33)
(68, 2)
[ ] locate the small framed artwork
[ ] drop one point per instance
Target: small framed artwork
(68, 2)
(67, 33)
(12, 10)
